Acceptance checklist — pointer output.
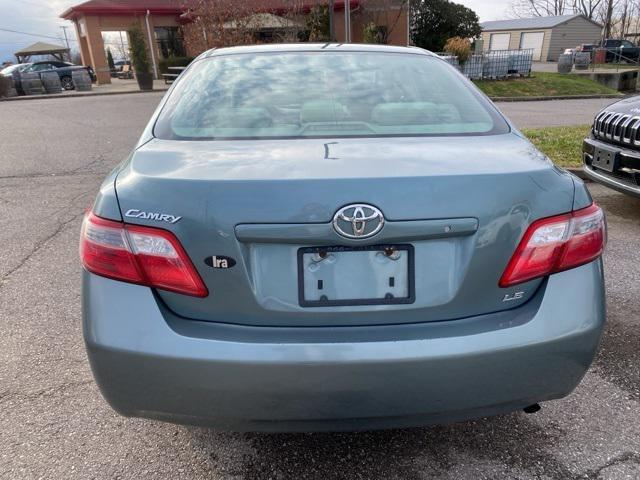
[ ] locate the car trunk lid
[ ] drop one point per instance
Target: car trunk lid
(460, 203)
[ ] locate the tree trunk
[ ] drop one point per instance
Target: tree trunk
(608, 20)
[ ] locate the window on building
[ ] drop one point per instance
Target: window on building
(170, 42)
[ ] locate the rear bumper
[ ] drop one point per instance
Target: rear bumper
(250, 379)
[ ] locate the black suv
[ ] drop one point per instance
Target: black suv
(611, 153)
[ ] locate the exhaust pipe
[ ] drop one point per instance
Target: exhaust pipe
(532, 408)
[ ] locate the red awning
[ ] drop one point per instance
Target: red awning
(124, 7)
(177, 7)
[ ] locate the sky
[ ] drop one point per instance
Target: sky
(42, 18)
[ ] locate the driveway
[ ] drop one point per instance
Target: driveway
(552, 67)
(553, 113)
(54, 424)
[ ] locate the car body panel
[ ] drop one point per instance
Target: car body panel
(106, 202)
(151, 363)
(582, 198)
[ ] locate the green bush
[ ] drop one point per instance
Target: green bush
(165, 63)
(318, 24)
(112, 65)
(138, 50)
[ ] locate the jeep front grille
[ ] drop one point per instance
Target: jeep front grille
(617, 127)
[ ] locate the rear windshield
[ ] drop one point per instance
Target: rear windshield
(323, 94)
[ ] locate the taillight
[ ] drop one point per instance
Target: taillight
(143, 255)
(554, 244)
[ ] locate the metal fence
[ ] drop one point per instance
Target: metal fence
(614, 59)
(494, 64)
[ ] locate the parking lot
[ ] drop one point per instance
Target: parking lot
(54, 423)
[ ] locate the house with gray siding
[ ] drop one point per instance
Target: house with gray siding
(547, 36)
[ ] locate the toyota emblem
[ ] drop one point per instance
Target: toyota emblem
(358, 221)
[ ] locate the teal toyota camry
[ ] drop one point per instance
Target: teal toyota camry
(337, 237)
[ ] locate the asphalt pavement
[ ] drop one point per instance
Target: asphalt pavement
(54, 424)
(553, 113)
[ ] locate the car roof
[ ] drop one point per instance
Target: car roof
(313, 47)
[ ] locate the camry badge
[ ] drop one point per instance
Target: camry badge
(158, 217)
(358, 221)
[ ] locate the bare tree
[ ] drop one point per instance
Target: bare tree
(216, 23)
(618, 17)
(541, 8)
(625, 18)
(634, 22)
(607, 17)
(588, 8)
(544, 8)
(220, 23)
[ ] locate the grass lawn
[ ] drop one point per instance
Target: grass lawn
(563, 145)
(542, 84)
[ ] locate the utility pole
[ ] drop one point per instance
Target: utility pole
(66, 39)
(408, 23)
(123, 51)
(347, 21)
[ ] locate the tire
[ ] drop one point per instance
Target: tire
(67, 83)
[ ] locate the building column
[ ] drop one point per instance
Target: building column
(82, 44)
(96, 50)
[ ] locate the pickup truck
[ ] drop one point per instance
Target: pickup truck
(620, 51)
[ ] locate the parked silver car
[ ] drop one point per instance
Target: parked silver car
(337, 237)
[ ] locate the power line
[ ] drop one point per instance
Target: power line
(67, 39)
(31, 34)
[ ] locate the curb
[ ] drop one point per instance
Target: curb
(77, 95)
(559, 97)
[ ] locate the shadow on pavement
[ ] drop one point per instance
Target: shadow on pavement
(501, 447)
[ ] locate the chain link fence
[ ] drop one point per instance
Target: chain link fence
(494, 64)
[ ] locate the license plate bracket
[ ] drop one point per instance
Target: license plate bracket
(353, 276)
(605, 159)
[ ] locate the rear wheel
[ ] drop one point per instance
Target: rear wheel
(67, 83)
